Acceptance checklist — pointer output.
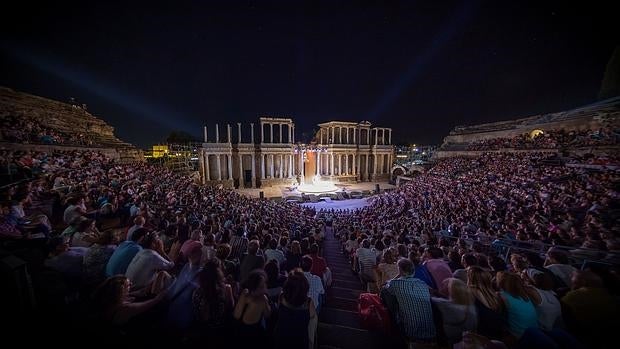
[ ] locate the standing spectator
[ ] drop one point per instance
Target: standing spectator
(294, 314)
(316, 289)
(251, 261)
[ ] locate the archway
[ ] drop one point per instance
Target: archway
(536, 133)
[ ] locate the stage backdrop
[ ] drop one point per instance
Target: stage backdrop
(310, 167)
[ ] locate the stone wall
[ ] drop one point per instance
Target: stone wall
(66, 118)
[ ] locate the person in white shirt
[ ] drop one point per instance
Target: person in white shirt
(75, 210)
(146, 263)
(138, 223)
(273, 253)
(557, 263)
(316, 284)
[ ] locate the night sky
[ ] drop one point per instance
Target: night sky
(416, 66)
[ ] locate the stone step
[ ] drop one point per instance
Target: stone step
(339, 317)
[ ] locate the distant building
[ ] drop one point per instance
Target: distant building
(340, 152)
(407, 155)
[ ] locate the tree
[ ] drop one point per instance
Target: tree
(180, 137)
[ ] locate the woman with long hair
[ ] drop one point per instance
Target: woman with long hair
(295, 312)
(489, 306)
(458, 312)
(112, 304)
(253, 309)
(213, 299)
(520, 310)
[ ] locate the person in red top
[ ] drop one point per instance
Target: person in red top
(318, 263)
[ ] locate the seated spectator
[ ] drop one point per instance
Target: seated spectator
(112, 304)
(520, 310)
(319, 266)
(467, 260)
(213, 302)
(589, 310)
(438, 268)
(138, 223)
(97, 257)
(489, 306)
(412, 307)
(64, 259)
(387, 269)
(367, 262)
(124, 253)
(316, 289)
(251, 261)
(148, 262)
(84, 234)
(274, 253)
(293, 257)
(274, 280)
(295, 312)
(180, 293)
(557, 263)
(458, 312)
(228, 267)
(545, 301)
(421, 272)
(252, 310)
(208, 248)
(75, 211)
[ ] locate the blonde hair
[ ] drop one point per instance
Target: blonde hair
(480, 283)
(459, 292)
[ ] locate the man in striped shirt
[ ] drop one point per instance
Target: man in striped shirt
(238, 245)
(367, 261)
(412, 298)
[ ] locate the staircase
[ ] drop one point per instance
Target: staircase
(339, 323)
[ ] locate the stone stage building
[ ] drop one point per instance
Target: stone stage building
(339, 152)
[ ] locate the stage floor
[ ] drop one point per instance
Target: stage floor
(350, 204)
(282, 191)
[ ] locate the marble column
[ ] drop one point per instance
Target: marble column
(271, 132)
(390, 136)
(207, 169)
(262, 132)
(262, 165)
(217, 133)
(346, 164)
(205, 133)
(290, 166)
(219, 170)
(230, 174)
(331, 165)
(252, 168)
(228, 134)
(239, 131)
(354, 169)
(281, 161)
(348, 130)
(280, 139)
(272, 173)
(252, 135)
(241, 176)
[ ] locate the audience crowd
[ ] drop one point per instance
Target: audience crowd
(23, 129)
(552, 139)
(503, 250)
